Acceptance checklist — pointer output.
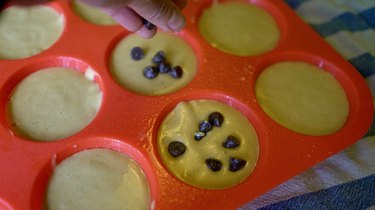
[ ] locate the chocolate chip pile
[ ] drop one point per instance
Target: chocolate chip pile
(159, 64)
(215, 119)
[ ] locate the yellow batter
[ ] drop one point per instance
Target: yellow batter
(129, 73)
(53, 103)
(239, 28)
(303, 98)
(92, 14)
(98, 179)
(181, 125)
(27, 31)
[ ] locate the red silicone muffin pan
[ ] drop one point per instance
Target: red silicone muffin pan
(128, 122)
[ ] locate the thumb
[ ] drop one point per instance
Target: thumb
(163, 13)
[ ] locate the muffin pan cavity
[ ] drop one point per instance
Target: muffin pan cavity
(97, 179)
(301, 96)
(28, 31)
(157, 66)
(239, 28)
(326, 85)
(53, 103)
(91, 14)
(110, 157)
(129, 117)
(211, 137)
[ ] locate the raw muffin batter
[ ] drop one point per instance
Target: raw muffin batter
(92, 14)
(303, 98)
(239, 28)
(98, 179)
(129, 72)
(53, 103)
(197, 165)
(27, 31)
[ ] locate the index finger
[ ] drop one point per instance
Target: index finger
(163, 13)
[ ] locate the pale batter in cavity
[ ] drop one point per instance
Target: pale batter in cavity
(182, 123)
(129, 72)
(239, 28)
(303, 98)
(92, 14)
(27, 31)
(53, 103)
(98, 179)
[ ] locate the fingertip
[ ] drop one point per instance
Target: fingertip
(130, 26)
(177, 22)
(146, 33)
(164, 14)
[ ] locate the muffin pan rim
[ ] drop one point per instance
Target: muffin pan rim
(189, 92)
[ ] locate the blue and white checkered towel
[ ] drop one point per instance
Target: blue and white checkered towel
(345, 180)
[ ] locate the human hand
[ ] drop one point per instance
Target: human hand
(165, 14)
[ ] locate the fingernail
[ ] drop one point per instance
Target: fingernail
(177, 22)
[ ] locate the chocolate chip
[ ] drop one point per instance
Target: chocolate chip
(150, 72)
(176, 148)
(164, 67)
(205, 126)
(213, 164)
(159, 57)
(148, 24)
(231, 142)
(199, 135)
(216, 119)
(236, 164)
(176, 72)
(137, 53)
